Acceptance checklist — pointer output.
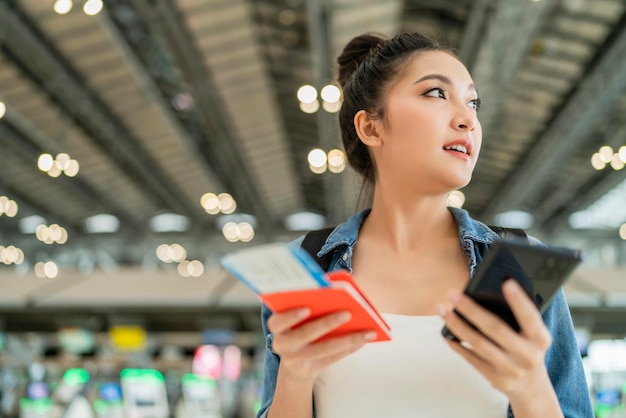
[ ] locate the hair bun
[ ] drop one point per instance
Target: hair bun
(355, 52)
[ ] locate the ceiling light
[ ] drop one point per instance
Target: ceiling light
(163, 253)
(318, 170)
(238, 231)
(236, 218)
(310, 107)
(102, 224)
(45, 162)
(606, 154)
(616, 162)
(622, 231)
(192, 268)
(331, 107)
(210, 203)
(307, 94)
(169, 222)
(195, 268)
(246, 232)
(231, 232)
(305, 221)
(336, 161)
(62, 6)
(51, 234)
(11, 255)
(456, 199)
(317, 158)
(177, 253)
(55, 166)
(92, 7)
(596, 162)
(46, 270)
(8, 207)
(226, 203)
(72, 168)
(171, 253)
(62, 160)
(331, 93)
(515, 219)
(622, 153)
(3, 109)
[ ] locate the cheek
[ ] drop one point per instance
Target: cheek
(478, 136)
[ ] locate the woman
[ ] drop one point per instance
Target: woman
(409, 125)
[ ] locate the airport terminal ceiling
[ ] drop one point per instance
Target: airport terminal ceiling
(130, 125)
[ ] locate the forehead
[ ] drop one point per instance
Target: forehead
(437, 62)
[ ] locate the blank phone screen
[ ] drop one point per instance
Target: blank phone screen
(539, 270)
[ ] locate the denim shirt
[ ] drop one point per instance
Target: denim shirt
(563, 358)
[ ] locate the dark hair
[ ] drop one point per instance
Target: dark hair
(368, 64)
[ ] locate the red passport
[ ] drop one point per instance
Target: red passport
(342, 294)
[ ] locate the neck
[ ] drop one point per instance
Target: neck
(405, 223)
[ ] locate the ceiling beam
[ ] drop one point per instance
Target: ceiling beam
(39, 60)
(155, 95)
(505, 45)
(594, 94)
(209, 117)
(474, 32)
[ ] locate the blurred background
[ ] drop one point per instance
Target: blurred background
(142, 140)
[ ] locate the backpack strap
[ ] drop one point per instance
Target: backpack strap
(313, 242)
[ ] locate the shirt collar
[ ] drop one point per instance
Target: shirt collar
(346, 233)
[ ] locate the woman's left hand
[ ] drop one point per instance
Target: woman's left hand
(513, 362)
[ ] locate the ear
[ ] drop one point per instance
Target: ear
(368, 129)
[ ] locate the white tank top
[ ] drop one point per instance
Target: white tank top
(414, 375)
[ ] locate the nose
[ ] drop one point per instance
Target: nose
(465, 120)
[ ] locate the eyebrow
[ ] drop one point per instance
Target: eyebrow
(444, 79)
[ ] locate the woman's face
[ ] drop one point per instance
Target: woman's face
(430, 134)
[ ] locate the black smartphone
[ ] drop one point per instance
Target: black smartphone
(540, 271)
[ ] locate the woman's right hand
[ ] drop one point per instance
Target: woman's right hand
(300, 353)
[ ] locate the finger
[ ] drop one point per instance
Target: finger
(281, 322)
(474, 340)
(509, 345)
(486, 321)
(339, 346)
(330, 359)
(526, 313)
(295, 339)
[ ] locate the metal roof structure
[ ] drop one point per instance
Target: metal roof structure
(163, 101)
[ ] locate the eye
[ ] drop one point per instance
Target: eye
(475, 104)
(436, 92)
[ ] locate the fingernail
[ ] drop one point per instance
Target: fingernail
(344, 316)
(442, 310)
(369, 336)
(511, 286)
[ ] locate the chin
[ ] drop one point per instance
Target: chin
(460, 182)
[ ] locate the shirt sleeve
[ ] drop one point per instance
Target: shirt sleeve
(564, 362)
